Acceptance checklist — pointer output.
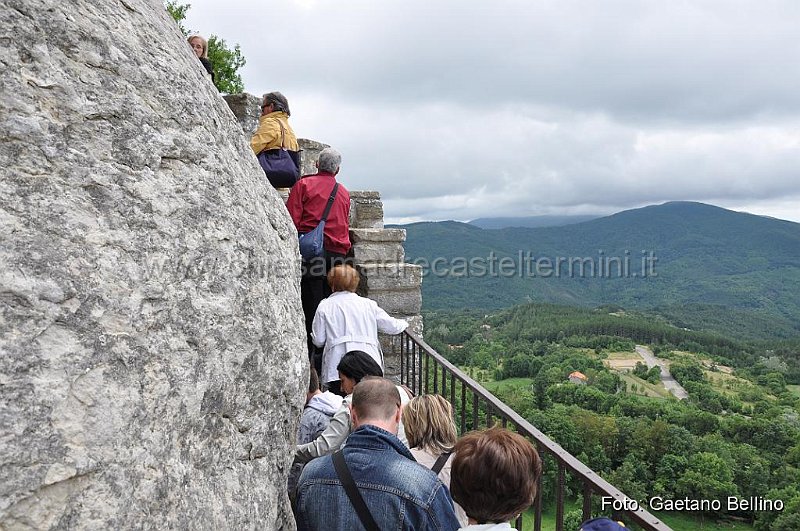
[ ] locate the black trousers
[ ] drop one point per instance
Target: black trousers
(313, 288)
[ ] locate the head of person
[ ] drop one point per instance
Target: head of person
(274, 102)
(354, 367)
(313, 383)
(329, 161)
(428, 421)
(199, 46)
(343, 277)
(493, 475)
(376, 401)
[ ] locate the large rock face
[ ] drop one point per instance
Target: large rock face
(152, 360)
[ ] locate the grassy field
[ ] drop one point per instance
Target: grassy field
(509, 384)
(655, 391)
(625, 356)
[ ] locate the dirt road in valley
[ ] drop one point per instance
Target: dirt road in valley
(666, 378)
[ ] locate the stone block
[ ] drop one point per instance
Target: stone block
(400, 302)
(366, 213)
(309, 154)
(391, 276)
(365, 195)
(378, 252)
(247, 109)
(377, 235)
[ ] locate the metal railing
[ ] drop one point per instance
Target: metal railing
(424, 371)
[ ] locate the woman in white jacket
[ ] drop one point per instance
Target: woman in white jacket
(345, 322)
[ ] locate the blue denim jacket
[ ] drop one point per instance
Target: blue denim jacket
(400, 493)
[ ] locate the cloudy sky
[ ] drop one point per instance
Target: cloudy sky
(465, 109)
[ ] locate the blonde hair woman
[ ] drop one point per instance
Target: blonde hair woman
(345, 322)
(431, 433)
(200, 48)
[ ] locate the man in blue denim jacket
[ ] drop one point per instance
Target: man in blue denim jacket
(399, 492)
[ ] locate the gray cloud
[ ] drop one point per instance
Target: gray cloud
(465, 109)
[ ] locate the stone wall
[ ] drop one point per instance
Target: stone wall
(152, 352)
(378, 252)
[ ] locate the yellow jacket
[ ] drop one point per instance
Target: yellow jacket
(268, 134)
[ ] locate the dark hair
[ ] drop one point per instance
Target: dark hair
(313, 380)
(278, 100)
(357, 364)
(494, 474)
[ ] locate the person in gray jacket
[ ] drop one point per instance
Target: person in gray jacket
(354, 367)
(317, 414)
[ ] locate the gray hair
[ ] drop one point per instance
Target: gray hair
(329, 160)
(278, 100)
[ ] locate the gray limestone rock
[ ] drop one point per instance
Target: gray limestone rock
(152, 360)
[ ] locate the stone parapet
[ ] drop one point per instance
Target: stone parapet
(377, 235)
(384, 246)
(309, 153)
(366, 210)
(389, 277)
(399, 303)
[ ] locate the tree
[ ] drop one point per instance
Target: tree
(226, 61)
(708, 477)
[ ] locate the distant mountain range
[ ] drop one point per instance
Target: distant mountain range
(530, 221)
(698, 265)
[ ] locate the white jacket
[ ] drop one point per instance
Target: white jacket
(346, 321)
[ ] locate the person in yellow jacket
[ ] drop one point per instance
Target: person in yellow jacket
(274, 131)
(274, 112)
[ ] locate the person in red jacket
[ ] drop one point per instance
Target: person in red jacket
(307, 200)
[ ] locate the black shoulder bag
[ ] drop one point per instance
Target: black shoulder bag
(439, 464)
(352, 492)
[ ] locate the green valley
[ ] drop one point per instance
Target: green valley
(737, 434)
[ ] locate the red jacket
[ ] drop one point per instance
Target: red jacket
(306, 203)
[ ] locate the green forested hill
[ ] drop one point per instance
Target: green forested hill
(714, 268)
(735, 434)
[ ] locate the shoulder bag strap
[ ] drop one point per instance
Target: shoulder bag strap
(439, 464)
(283, 134)
(352, 492)
(330, 203)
